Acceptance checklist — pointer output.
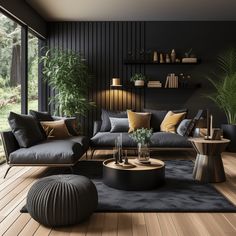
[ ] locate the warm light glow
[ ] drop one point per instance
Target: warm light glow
(116, 82)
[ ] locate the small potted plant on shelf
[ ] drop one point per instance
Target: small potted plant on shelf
(225, 94)
(138, 79)
(142, 138)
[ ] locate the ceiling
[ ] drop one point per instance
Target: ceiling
(135, 10)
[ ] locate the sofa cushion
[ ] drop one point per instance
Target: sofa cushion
(119, 124)
(156, 118)
(107, 139)
(48, 152)
(25, 129)
(41, 115)
(183, 127)
(171, 121)
(106, 124)
(172, 140)
(159, 115)
(55, 129)
(138, 120)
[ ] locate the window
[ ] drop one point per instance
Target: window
(10, 70)
(17, 94)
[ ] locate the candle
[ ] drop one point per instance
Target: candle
(211, 124)
(208, 126)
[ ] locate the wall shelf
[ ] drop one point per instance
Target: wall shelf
(140, 62)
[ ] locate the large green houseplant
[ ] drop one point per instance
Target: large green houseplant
(67, 73)
(225, 93)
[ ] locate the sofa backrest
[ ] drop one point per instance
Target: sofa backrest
(9, 143)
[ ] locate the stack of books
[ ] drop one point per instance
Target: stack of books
(154, 84)
(172, 81)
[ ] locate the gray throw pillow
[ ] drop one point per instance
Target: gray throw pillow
(106, 124)
(119, 125)
(183, 126)
(25, 129)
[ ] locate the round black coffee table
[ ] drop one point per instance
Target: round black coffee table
(135, 176)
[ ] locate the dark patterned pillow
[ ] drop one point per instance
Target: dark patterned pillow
(183, 127)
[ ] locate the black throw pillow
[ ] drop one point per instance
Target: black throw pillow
(25, 129)
(106, 124)
(41, 116)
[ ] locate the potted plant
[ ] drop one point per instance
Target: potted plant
(142, 138)
(67, 73)
(138, 79)
(225, 94)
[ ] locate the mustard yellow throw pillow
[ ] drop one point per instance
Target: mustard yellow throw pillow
(55, 129)
(138, 120)
(171, 121)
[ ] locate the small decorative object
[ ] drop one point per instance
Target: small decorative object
(173, 56)
(138, 79)
(115, 155)
(142, 138)
(188, 53)
(216, 134)
(162, 58)
(177, 60)
(116, 82)
(167, 58)
(155, 56)
(118, 147)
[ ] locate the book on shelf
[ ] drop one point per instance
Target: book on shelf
(154, 84)
(172, 81)
(189, 60)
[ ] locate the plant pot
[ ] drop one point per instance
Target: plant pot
(229, 132)
(139, 83)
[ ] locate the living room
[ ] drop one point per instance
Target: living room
(117, 117)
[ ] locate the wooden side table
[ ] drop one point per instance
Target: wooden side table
(208, 165)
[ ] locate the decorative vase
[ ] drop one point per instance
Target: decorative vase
(139, 83)
(143, 152)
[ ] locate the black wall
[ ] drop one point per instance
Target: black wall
(106, 44)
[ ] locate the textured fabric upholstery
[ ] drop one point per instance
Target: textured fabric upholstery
(49, 152)
(158, 139)
(107, 139)
(62, 200)
(166, 139)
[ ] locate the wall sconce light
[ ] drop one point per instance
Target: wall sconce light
(115, 83)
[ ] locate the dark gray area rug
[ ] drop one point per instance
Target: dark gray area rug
(180, 193)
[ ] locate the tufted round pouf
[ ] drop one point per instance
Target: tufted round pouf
(61, 200)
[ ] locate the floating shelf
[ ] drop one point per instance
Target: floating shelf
(130, 62)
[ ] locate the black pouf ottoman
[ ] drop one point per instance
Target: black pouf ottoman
(61, 200)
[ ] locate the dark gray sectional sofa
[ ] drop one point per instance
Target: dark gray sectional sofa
(48, 152)
(104, 139)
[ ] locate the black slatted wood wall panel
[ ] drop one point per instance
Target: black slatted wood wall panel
(104, 45)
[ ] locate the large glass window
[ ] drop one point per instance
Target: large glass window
(33, 71)
(10, 71)
(12, 86)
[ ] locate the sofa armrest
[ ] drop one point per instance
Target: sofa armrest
(9, 142)
(97, 126)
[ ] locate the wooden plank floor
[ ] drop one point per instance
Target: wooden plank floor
(14, 188)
